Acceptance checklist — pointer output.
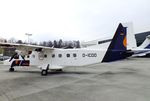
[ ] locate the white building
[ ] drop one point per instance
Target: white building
(2, 40)
(95, 42)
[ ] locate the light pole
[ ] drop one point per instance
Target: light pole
(28, 36)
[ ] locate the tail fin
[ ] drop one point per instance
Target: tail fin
(118, 47)
(146, 43)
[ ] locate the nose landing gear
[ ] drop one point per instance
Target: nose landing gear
(11, 69)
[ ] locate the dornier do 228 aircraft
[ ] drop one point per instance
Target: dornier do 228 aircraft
(47, 58)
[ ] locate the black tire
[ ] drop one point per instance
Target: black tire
(44, 72)
(11, 69)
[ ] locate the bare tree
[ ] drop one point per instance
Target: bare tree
(19, 42)
(33, 43)
(12, 40)
(78, 44)
(60, 43)
(55, 44)
(49, 44)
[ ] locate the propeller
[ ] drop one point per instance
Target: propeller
(16, 55)
(13, 56)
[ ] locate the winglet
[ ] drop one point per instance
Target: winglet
(146, 43)
(118, 47)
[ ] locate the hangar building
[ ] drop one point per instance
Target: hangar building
(140, 37)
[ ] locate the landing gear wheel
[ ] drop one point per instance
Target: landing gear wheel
(44, 72)
(11, 69)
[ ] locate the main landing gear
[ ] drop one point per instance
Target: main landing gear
(44, 72)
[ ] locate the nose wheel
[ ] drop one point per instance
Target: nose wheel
(11, 69)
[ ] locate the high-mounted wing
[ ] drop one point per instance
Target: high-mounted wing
(24, 48)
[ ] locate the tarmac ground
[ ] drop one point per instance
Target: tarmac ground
(125, 80)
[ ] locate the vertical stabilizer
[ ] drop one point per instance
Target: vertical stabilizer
(146, 43)
(118, 47)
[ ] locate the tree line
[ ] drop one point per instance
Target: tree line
(56, 43)
(61, 44)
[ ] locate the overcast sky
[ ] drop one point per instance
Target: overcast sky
(70, 19)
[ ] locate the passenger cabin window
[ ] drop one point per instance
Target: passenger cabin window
(68, 55)
(59, 55)
(53, 55)
(74, 55)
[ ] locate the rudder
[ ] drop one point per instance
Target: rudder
(118, 47)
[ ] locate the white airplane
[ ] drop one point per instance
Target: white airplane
(143, 49)
(47, 58)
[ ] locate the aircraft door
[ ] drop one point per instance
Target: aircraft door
(41, 55)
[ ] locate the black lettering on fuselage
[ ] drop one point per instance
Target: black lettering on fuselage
(89, 55)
